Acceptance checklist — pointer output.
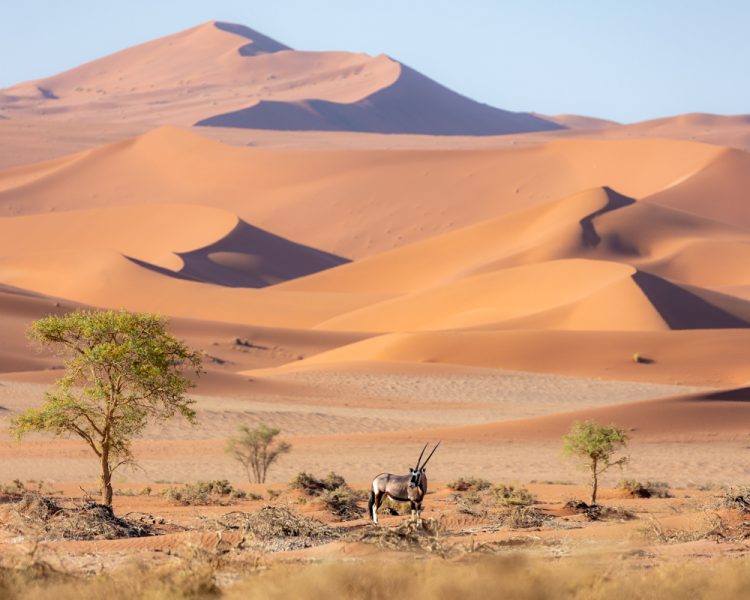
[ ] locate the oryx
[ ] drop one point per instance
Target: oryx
(411, 488)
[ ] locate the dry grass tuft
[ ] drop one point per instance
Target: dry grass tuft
(473, 576)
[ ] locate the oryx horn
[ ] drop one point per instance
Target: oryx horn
(420, 456)
(431, 453)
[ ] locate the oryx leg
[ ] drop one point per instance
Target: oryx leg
(378, 497)
(414, 513)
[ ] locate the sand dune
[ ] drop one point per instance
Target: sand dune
(229, 75)
(284, 192)
(699, 357)
(701, 415)
(581, 121)
(410, 104)
(724, 180)
(184, 241)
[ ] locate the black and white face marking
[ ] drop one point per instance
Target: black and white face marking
(415, 478)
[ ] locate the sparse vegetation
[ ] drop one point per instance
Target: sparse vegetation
(508, 495)
(597, 512)
(312, 486)
(272, 522)
(343, 503)
(523, 517)
(649, 489)
(711, 527)
(14, 490)
(408, 535)
(43, 518)
(340, 499)
(204, 493)
(595, 445)
(257, 449)
(475, 484)
(123, 370)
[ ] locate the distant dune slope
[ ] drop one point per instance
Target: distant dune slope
(709, 358)
(694, 417)
(229, 75)
(351, 204)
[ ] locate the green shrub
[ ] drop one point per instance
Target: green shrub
(203, 493)
(508, 495)
(475, 484)
(312, 486)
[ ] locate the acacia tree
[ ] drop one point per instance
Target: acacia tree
(256, 450)
(595, 445)
(123, 370)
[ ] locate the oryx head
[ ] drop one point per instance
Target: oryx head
(417, 473)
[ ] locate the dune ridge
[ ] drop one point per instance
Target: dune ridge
(230, 75)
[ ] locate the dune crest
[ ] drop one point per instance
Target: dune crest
(224, 74)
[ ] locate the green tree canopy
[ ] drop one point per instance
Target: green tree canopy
(122, 370)
(595, 445)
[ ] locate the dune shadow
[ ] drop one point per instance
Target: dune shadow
(615, 201)
(736, 395)
(412, 104)
(260, 44)
(682, 309)
(47, 94)
(249, 257)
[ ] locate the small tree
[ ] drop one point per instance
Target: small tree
(122, 371)
(595, 445)
(256, 450)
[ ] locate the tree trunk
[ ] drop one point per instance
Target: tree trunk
(106, 480)
(594, 483)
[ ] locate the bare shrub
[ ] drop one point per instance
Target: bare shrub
(46, 519)
(278, 528)
(407, 535)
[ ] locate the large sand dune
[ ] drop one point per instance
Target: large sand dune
(376, 200)
(229, 75)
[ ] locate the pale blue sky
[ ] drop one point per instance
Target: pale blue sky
(624, 60)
